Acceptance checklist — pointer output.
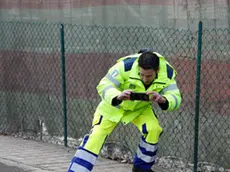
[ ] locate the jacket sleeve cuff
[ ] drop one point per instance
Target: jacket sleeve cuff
(116, 102)
(164, 106)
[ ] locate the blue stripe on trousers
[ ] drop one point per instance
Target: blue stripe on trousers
(83, 163)
(137, 162)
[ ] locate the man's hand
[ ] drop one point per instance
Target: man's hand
(156, 97)
(125, 95)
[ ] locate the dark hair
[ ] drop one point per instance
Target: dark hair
(149, 60)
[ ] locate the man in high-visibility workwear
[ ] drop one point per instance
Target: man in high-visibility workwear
(147, 72)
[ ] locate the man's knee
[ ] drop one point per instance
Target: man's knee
(154, 132)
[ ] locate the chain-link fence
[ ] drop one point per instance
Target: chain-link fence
(31, 86)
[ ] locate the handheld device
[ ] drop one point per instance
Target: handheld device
(139, 96)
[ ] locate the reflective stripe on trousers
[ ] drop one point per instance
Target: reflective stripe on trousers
(146, 155)
(83, 161)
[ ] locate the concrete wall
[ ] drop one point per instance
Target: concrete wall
(156, 13)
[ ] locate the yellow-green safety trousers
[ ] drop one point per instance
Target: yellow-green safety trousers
(87, 153)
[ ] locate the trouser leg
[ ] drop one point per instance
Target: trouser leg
(87, 152)
(145, 156)
(146, 152)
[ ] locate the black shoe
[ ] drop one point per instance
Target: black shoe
(136, 169)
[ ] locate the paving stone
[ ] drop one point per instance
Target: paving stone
(44, 157)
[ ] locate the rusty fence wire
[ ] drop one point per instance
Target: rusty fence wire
(31, 87)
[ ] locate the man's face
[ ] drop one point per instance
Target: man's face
(147, 75)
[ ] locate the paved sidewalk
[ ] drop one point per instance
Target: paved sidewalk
(36, 156)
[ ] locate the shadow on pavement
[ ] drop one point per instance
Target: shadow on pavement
(6, 168)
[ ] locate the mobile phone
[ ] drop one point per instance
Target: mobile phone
(139, 96)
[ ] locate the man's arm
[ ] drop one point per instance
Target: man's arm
(173, 96)
(109, 86)
(169, 98)
(125, 95)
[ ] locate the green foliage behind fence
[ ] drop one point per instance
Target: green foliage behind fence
(31, 83)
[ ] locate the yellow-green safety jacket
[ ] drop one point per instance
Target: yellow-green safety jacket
(124, 75)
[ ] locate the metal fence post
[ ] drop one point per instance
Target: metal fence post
(62, 39)
(198, 60)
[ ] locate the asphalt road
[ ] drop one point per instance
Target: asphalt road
(5, 168)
